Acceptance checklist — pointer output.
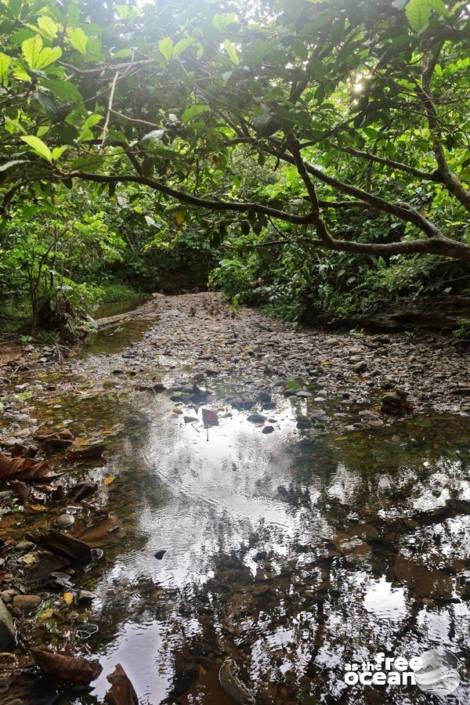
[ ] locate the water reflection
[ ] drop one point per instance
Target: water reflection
(294, 554)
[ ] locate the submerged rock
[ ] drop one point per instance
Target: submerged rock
(233, 686)
(303, 421)
(396, 403)
(26, 603)
(256, 418)
(7, 629)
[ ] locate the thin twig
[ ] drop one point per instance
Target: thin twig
(110, 109)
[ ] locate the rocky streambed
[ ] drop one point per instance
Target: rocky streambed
(230, 510)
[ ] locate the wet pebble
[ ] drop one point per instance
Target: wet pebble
(64, 521)
(26, 603)
(256, 418)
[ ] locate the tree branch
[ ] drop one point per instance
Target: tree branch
(235, 206)
(317, 219)
(400, 210)
(110, 109)
(446, 176)
(427, 176)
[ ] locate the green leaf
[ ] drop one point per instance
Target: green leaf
(193, 111)
(48, 56)
(36, 55)
(48, 27)
(65, 91)
(78, 39)
(182, 45)
(166, 47)
(31, 49)
(39, 146)
(85, 131)
(418, 12)
(222, 21)
(57, 152)
(5, 62)
(231, 50)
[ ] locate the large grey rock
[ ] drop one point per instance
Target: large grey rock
(7, 629)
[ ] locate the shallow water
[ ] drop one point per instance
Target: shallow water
(283, 551)
(295, 553)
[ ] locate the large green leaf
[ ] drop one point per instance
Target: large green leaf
(419, 12)
(182, 45)
(5, 62)
(222, 21)
(38, 56)
(193, 111)
(85, 131)
(48, 27)
(166, 47)
(65, 91)
(231, 50)
(38, 146)
(78, 39)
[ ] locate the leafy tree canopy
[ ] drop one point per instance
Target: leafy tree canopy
(342, 107)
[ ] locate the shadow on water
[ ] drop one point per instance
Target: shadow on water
(293, 554)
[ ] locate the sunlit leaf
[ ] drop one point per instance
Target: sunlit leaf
(78, 39)
(57, 152)
(38, 146)
(166, 47)
(231, 50)
(182, 45)
(5, 62)
(419, 12)
(193, 111)
(48, 27)
(68, 598)
(221, 21)
(38, 56)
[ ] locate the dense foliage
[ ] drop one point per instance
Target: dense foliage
(311, 153)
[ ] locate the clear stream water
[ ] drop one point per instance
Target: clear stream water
(293, 554)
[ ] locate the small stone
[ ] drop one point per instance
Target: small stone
(159, 554)
(303, 394)
(7, 595)
(26, 603)
(85, 596)
(24, 546)
(360, 367)
(267, 429)
(303, 421)
(190, 419)
(256, 418)
(264, 397)
(64, 521)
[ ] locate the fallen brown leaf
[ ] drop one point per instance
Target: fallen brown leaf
(122, 691)
(209, 418)
(22, 468)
